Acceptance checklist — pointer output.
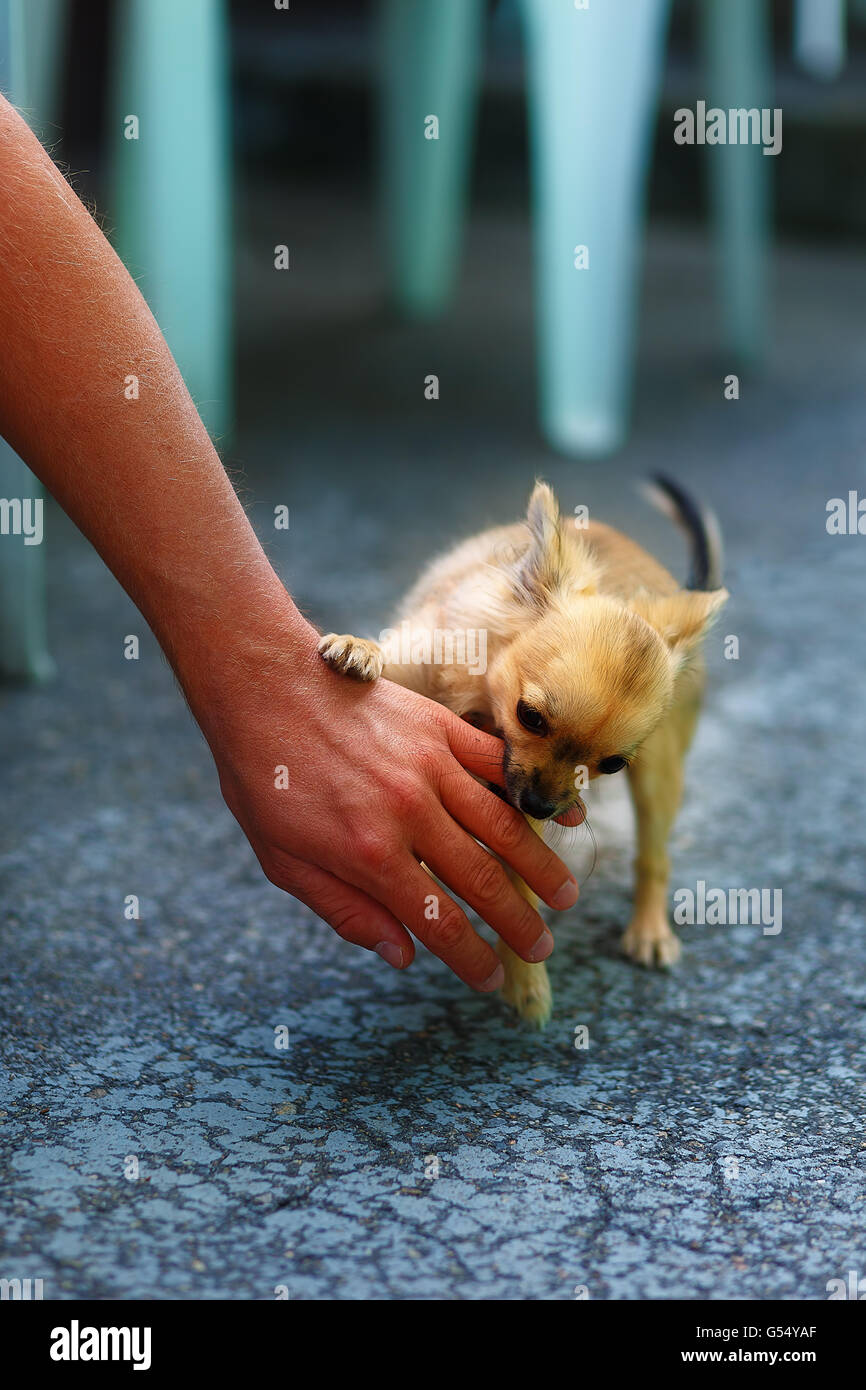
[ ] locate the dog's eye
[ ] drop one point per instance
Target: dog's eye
(614, 764)
(530, 718)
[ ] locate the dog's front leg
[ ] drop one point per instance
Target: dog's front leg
(527, 987)
(352, 656)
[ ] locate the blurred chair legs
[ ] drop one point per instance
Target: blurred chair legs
(592, 87)
(430, 52)
(819, 36)
(735, 40)
(170, 137)
(23, 644)
(38, 32)
(593, 80)
(31, 33)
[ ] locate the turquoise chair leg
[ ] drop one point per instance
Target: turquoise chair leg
(171, 196)
(31, 33)
(819, 36)
(735, 37)
(430, 51)
(23, 641)
(38, 35)
(593, 78)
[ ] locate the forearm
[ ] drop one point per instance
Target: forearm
(138, 475)
(379, 776)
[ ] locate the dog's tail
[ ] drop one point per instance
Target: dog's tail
(699, 524)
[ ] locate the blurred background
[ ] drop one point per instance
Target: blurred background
(388, 335)
(427, 323)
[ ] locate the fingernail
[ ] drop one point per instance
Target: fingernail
(542, 948)
(493, 981)
(566, 896)
(391, 953)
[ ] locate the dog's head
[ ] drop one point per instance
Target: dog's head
(588, 677)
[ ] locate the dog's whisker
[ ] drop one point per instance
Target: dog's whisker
(564, 837)
(591, 833)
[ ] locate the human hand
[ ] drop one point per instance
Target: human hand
(378, 779)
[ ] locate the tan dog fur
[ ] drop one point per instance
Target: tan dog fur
(590, 632)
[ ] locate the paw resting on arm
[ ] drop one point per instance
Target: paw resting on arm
(352, 656)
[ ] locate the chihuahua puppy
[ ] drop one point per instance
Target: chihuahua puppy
(592, 667)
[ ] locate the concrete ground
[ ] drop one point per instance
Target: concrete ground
(709, 1143)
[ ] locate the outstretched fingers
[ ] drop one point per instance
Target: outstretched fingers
(435, 918)
(508, 834)
(353, 914)
(480, 880)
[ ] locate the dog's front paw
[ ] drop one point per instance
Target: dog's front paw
(528, 992)
(650, 941)
(352, 656)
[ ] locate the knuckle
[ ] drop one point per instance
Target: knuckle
(507, 827)
(527, 926)
(348, 922)
(440, 716)
(486, 880)
(408, 797)
(428, 760)
(450, 928)
(375, 851)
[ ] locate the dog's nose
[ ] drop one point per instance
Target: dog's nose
(534, 805)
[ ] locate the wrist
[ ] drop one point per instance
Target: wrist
(225, 659)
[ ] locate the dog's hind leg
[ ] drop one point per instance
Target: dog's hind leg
(656, 781)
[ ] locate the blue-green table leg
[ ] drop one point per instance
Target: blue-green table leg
(429, 52)
(31, 37)
(593, 78)
(172, 184)
(735, 38)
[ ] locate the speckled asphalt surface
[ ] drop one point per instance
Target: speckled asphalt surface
(413, 1141)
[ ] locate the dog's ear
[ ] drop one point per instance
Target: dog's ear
(540, 568)
(542, 515)
(681, 619)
